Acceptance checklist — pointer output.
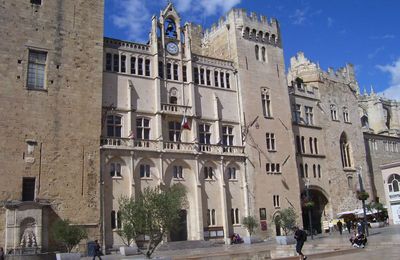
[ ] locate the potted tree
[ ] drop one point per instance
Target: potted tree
(250, 223)
(69, 236)
(287, 221)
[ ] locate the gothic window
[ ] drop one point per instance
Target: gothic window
(303, 147)
(345, 151)
(114, 126)
(346, 115)
(231, 173)
(364, 121)
(246, 33)
(208, 173)
(108, 61)
(144, 171)
(270, 137)
(319, 171)
(115, 170)
(176, 68)
(196, 75)
(204, 134)
(235, 216)
(309, 114)
(316, 145)
(208, 77)
(140, 66)
(133, 65)
(221, 76)
(306, 170)
(253, 34)
(178, 172)
(170, 28)
(147, 67)
(142, 128)
(228, 83)
(169, 67)
(202, 76)
(393, 183)
(257, 52)
(263, 56)
(273, 39)
(116, 63)
(314, 170)
(184, 73)
(266, 103)
(266, 37)
(311, 145)
(216, 78)
(28, 189)
(123, 63)
(36, 69)
(174, 130)
(276, 201)
(260, 36)
(333, 112)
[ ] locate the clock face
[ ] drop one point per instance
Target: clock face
(172, 48)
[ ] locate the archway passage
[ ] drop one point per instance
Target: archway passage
(317, 211)
(180, 233)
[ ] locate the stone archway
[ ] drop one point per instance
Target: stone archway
(320, 200)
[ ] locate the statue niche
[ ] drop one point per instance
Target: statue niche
(28, 236)
(170, 28)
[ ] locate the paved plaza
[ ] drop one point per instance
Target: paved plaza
(383, 244)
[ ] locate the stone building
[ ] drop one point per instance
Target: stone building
(391, 175)
(50, 98)
(380, 118)
(207, 109)
(328, 137)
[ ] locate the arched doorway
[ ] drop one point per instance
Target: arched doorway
(317, 210)
(180, 232)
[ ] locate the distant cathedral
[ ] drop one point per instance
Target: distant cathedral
(88, 119)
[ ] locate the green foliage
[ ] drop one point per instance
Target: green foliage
(380, 210)
(362, 195)
(250, 223)
(151, 215)
(68, 235)
(286, 220)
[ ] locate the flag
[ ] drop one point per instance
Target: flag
(132, 135)
(185, 124)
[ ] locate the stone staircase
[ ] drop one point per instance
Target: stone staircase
(192, 244)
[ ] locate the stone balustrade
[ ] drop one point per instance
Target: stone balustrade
(168, 146)
(176, 109)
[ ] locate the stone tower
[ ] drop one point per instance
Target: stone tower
(50, 98)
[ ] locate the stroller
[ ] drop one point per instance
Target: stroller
(359, 240)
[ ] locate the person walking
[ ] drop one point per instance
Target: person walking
(1, 253)
(348, 225)
(301, 237)
(340, 226)
(97, 250)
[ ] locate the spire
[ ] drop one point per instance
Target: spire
(372, 90)
(365, 91)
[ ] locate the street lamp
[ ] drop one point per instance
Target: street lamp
(360, 180)
(309, 208)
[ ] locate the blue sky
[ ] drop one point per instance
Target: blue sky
(365, 33)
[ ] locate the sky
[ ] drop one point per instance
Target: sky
(365, 33)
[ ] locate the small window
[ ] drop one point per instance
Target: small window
(221, 76)
(309, 115)
(28, 189)
(270, 138)
(202, 76)
(178, 172)
(140, 66)
(147, 67)
(333, 112)
(184, 73)
(108, 61)
(208, 79)
(36, 2)
(208, 173)
(133, 65)
(235, 216)
(228, 83)
(176, 67)
(115, 170)
(231, 173)
(144, 171)
(216, 78)
(196, 75)
(276, 201)
(116, 63)
(161, 69)
(266, 103)
(113, 219)
(37, 69)
(263, 56)
(123, 63)
(257, 52)
(114, 126)
(204, 134)
(346, 117)
(142, 128)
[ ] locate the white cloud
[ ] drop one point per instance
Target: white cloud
(383, 37)
(393, 91)
(375, 52)
(205, 7)
(132, 15)
(299, 16)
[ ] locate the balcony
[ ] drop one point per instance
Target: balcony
(167, 146)
(174, 109)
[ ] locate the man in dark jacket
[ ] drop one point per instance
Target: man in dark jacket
(300, 236)
(97, 250)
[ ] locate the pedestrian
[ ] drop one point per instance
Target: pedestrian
(301, 237)
(348, 225)
(340, 226)
(360, 228)
(1, 253)
(97, 250)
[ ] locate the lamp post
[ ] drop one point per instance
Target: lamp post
(360, 180)
(309, 208)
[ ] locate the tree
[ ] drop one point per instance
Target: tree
(151, 215)
(380, 209)
(250, 223)
(68, 235)
(286, 220)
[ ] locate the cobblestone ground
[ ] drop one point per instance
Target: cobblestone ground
(370, 253)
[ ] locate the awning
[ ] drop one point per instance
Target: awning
(356, 213)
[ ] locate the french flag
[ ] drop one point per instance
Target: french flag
(185, 124)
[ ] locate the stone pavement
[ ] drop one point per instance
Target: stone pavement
(382, 241)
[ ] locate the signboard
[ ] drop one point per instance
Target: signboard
(263, 225)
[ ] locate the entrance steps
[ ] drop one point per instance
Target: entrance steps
(190, 244)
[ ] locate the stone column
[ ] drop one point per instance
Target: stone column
(224, 210)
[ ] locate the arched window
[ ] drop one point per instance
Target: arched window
(273, 39)
(246, 33)
(257, 52)
(345, 151)
(393, 183)
(266, 37)
(333, 112)
(306, 170)
(170, 28)
(303, 147)
(346, 115)
(314, 171)
(263, 55)
(260, 36)
(253, 34)
(316, 145)
(319, 171)
(311, 145)
(364, 121)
